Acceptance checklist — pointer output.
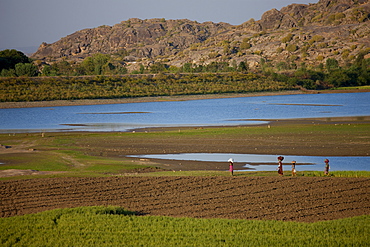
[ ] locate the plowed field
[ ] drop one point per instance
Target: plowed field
(264, 198)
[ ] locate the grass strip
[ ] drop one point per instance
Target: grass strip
(114, 226)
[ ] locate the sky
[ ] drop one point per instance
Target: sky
(28, 23)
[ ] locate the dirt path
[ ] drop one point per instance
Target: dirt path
(264, 198)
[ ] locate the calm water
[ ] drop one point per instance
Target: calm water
(253, 161)
(230, 111)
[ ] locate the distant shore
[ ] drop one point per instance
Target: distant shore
(5, 105)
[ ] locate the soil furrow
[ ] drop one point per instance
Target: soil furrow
(265, 198)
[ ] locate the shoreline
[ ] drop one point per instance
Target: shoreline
(55, 103)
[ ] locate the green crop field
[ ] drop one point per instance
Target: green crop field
(113, 226)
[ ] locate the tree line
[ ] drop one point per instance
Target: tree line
(118, 86)
(14, 64)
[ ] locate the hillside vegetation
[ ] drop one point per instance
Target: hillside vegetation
(294, 35)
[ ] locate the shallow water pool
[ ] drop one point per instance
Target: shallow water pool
(259, 162)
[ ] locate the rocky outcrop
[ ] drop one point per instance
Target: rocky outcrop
(274, 19)
(297, 33)
(140, 38)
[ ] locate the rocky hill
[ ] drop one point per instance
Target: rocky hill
(297, 34)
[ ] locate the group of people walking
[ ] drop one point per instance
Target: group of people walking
(280, 166)
(294, 171)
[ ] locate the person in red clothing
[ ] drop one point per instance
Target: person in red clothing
(231, 166)
(280, 166)
(326, 172)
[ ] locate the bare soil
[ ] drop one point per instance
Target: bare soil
(263, 198)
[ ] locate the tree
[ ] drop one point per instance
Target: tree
(25, 69)
(99, 61)
(331, 64)
(95, 64)
(361, 67)
(9, 58)
(63, 67)
(187, 68)
(338, 78)
(8, 73)
(243, 66)
(142, 69)
(282, 66)
(158, 67)
(87, 66)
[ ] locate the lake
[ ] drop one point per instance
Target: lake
(208, 112)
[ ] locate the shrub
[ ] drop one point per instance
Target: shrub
(322, 45)
(292, 48)
(332, 63)
(282, 66)
(212, 55)
(316, 38)
(345, 53)
(279, 49)
(287, 38)
(320, 57)
(25, 69)
(245, 45)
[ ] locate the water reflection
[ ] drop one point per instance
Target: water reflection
(258, 162)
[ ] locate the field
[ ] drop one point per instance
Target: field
(265, 198)
(114, 226)
(188, 203)
(186, 211)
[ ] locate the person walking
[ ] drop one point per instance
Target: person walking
(294, 172)
(280, 166)
(327, 167)
(231, 166)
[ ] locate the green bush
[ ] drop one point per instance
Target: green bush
(287, 38)
(292, 48)
(25, 69)
(245, 45)
(316, 38)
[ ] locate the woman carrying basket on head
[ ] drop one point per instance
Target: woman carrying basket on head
(231, 166)
(280, 166)
(327, 167)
